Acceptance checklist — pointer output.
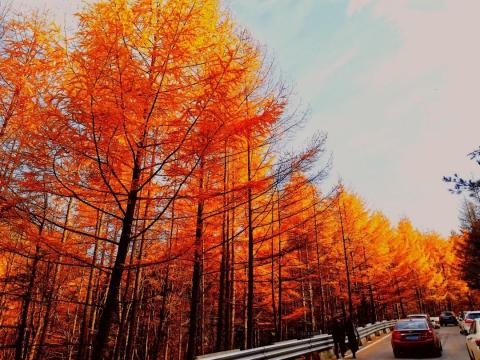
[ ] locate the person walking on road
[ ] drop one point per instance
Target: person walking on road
(353, 337)
(338, 335)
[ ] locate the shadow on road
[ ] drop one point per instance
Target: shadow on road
(418, 356)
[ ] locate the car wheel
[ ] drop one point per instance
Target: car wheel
(396, 353)
(437, 351)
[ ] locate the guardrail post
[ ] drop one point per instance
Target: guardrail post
(386, 329)
(369, 337)
(363, 339)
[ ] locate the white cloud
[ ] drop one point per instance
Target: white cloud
(356, 5)
(61, 11)
(314, 79)
(432, 80)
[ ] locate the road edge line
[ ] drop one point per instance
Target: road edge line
(369, 345)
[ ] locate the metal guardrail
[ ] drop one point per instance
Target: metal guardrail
(295, 348)
(370, 329)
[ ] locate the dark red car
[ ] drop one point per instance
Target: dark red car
(413, 335)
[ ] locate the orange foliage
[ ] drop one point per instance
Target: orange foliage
(142, 193)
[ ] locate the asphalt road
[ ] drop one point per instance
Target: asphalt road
(453, 344)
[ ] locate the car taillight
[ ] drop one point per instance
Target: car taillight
(468, 321)
(396, 335)
(427, 334)
(477, 342)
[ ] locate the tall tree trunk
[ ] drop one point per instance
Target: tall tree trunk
(228, 284)
(223, 286)
(53, 291)
(124, 311)
(347, 267)
(221, 298)
(147, 332)
(3, 290)
(180, 337)
(36, 325)
(196, 276)
(97, 300)
(158, 341)
(138, 275)
(98, 297)
(245, 311)
(250, 309)
(280, 284)
(22, 336)
(302, 288)
(202, 303)
(84, 333)
(310, 288)
(400, 298)
(373, 312)
(232, 296)
(320, 273)
(74, 327)
(272, 277)
(106, 319)
(27, 299)
(132, 328)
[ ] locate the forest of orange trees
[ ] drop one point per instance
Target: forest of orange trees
(150, 207)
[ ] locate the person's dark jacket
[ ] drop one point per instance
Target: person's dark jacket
(352, 335)
(338, 332)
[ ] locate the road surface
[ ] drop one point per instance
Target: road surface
(453, 344)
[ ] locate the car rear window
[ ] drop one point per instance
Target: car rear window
(447, 313)
(475, 315)
(411, 325)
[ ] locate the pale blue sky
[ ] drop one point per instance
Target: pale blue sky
(394, 83)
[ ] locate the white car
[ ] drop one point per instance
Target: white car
(468, 319)
(418, 316)
(435, 323)
(435, 320)
(473, 340)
